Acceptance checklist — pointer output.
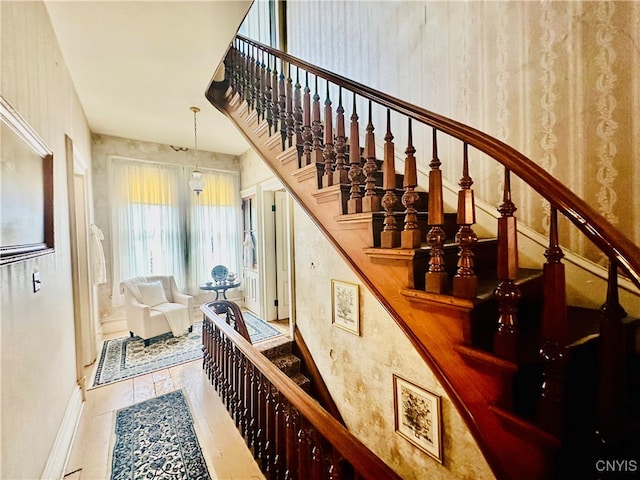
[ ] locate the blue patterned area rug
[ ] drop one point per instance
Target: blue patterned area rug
(155, 439)
(127, 357)
(259, 330)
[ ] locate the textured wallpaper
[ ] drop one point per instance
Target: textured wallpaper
(559, 81)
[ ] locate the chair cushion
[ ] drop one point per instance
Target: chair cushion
(152, 293)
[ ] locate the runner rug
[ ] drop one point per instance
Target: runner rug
(127, 357)
(156, 439)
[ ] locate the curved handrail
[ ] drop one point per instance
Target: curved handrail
(233, 316)
(365, 462)
(599, 230)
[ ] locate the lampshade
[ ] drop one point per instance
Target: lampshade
(196, 183)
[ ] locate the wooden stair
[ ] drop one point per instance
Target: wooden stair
(495, 375)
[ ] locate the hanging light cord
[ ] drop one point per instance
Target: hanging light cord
(195, 110)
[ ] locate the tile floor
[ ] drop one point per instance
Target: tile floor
(224, 450)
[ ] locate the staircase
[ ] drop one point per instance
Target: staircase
(282, 357)
(546, 389)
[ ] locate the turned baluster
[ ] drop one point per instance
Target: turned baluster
(304, 454)
(465, 282)
(290, 119)
(328, 154)
(354, 204)
(370, 202)
(242, 391)
(252, 407)
(282, 104)
(505, 340)
(297, 115)
(228, 66)
(260, 87)
(436, 276)
(307, 135)
(340, 174)
(270, 450)
(555, 336)
(410, 236)
(241, 73)
(268, 95)
(275, 97)
(261, 431)
(234, 378)
(612, 410)
(335, 466)
(317, 462)
(316, 128)
(247, 373)
(293, 422)
(251, 71)
(280, 445)
(390, 236)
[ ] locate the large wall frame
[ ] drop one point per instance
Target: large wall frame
(26, 196)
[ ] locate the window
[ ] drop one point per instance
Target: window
(160, 227)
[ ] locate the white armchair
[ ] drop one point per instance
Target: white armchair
(153, 305)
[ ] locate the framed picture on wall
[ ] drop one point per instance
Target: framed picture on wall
(345, 306)
(26, 189)
(417, 416)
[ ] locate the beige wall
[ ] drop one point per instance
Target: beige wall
(560, 81)
(37, 356)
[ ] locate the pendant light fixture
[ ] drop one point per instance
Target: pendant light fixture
(196, 183)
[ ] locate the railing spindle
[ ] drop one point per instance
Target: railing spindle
(410, 236)
(505, 341)
(316, 128)
(390, 236)
(268, 95)
(436, 277)
(297, 115)
(307, 135)
(555, 336)
(612, 410)
(465, 282)
(340, 174)
(354, 204)
(275, 97)
(282, 106)
(370, 202)
(328, 154)
(290, 119)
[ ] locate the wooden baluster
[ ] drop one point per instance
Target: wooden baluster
(275, 97)
(251, 85)
(260, 85)
(317, 462)
(304, 454)
(206, 346)
(297, 115)
(613, 398)
(390, 236)
(436, 277)
(268, 95)
(280, 446)
(316, 128)
(241, 73)
(505, 340)
(270, 450)
(252, 422)
(340, 174)
(410, 236)
(555, 336)
(465, 282)
(293, 422)
(241, 392)
(283, 106)
(328, 154)
(246, 398)
(261, 432)
(233, 376)
(307, 135)
(354, 204)
(371, 201)
(335, 466)
(290, 119)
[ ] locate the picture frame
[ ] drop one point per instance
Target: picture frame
(26, 202)
(417, 416)
(345, 306)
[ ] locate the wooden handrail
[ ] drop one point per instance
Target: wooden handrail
(599, 230)
(365, 462)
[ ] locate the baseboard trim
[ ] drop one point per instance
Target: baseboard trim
(59, 456)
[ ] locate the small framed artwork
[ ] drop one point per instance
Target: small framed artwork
(417, 416)
(345, 304)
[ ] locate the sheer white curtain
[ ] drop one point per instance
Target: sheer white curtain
(214, 227)
(147, 222)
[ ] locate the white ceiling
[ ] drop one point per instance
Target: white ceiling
(139, 65)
